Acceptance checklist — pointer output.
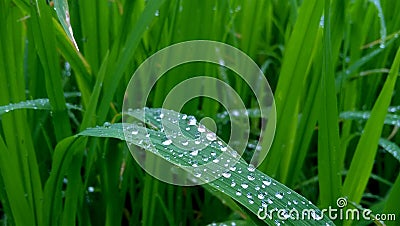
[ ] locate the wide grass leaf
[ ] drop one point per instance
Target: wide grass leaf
(242, 182)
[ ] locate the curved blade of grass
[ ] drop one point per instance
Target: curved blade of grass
(37, 104)
(390, 147)
(62, 159)
(363, 159)
(246, 185)
(390, 119)
(78, 63)
(61, 7)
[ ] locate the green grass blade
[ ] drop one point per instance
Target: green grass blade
(44, 39)
(89, 118)
(19, 166)
(62, 161)
(78, 63)
(328, 133)
(38, 104)
(20, 207)
(390, 147)
(390, 119)
(296, 60)
(61, 7)
(363, 159)
(72, 195)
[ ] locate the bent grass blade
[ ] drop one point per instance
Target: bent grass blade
(243, 183)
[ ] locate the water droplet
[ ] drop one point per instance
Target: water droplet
(157, 13)
(267, 182)
(251, 177)
(91, 189)
(260, 196)
(264, 204)
(213, 154)
(238, 193)
(251, 168)
(194, 153)
(233, 184)
(279, 195)
(221, 62)
(197, 172)
(251, 201)
(226, 174)
(201, 129)
(216, 161)
(135, 132)
(223, 148)
(234, 154)
(107, 124)
(167, 142)
(192, 121)
(185, 143)
(244, 185)
(211, 136)
(232, 168)
(236, 113)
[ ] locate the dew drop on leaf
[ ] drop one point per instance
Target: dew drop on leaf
(251, 168)
(279, 195)
(251, 177)
(260, 196)
(238, 193)
(266, 182)
(211, 136)
(167, 142)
